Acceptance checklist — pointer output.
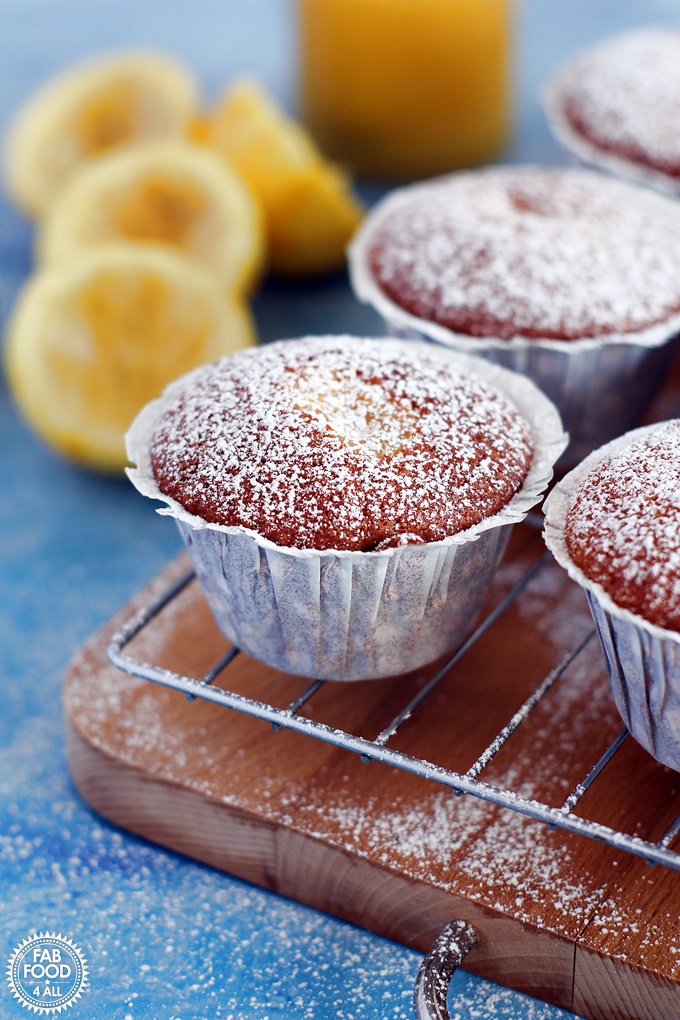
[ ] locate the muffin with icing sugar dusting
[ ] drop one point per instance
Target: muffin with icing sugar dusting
(617, 105)
(341, 444)
(532, 252)
(563, 274)
(346, 501)
(623, 526)
(614, 524)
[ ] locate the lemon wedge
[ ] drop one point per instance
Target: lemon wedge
(172, 193)
(310, 211)
(89, 109)
(90, 344)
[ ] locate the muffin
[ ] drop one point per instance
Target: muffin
(614, 524)
(563, 274)
(346, 501)
(617, 105)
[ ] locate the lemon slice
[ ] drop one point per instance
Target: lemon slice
(309, 207)
(89, 345)
(172, 193)
(89, 109)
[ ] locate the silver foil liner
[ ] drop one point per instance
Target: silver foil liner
(587, 151)
(643, 660)
(600, 385)
(343, 615)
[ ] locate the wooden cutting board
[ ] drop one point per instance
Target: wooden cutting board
(559, 916)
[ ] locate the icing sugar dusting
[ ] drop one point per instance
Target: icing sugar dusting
(531, 252)
(341, 443)
(624, 96)
(623, 527)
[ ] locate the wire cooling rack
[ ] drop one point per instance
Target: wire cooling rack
(378, 750)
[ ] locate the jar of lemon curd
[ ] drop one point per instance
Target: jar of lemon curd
(402, 89)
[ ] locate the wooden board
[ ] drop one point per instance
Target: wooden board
(560, 917)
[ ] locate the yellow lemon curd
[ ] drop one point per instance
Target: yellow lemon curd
(402, 89)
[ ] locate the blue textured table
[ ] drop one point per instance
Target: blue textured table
(164, 936)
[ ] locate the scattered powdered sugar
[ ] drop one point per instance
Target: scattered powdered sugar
(623, 526)
(529, 251)
(462, 845)
(340, 443)
(517, 867)
(624, 96)
(495, 1003)
(619, 926)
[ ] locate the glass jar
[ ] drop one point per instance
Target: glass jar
(403, 89)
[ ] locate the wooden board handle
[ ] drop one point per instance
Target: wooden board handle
(437, 969)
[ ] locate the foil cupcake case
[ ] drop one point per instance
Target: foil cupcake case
(643, 660)
(356, 615)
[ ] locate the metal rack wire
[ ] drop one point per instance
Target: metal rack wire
(378, 750)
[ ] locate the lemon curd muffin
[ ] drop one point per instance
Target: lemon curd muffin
(614, 524)
(617, 105)
(346, 500)
(623, 526)
(339, 447)
(563, 274)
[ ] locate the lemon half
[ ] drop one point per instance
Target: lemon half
(89, 345)
(89, 109)
(172, 193)
(310, 210)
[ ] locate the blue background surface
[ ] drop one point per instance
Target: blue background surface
(164, 936)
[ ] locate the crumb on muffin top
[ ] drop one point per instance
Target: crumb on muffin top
(623, 526)
(340, 443)
(624, 97)
(530, 251)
